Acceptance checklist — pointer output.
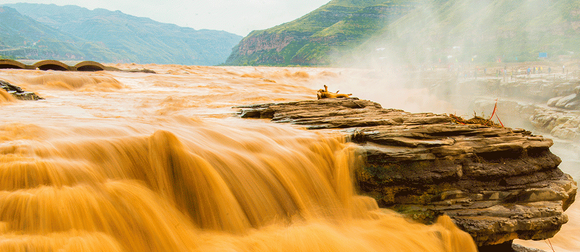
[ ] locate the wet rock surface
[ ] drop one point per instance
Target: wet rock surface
(18, 92)
(498, 184)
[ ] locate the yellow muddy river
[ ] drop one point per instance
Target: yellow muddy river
(118, 161)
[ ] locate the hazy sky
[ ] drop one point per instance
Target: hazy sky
(235, 16)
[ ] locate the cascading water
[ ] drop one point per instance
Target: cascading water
(85, 175)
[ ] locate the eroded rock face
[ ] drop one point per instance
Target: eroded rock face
(498, 184)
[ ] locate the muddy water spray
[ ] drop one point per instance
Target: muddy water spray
(169, 182)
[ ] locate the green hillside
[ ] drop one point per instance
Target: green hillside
(418, 32)
(481, 31)
(23, 37)
(117, 37)
(313, 38)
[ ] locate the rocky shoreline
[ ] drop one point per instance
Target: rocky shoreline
(498, 184)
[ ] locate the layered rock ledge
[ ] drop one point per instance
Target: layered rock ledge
(498, 184)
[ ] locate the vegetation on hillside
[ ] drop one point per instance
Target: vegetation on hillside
(482, 31)
(72, 32)
(21, 36)
(419, 32)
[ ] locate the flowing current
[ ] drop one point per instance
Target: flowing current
(116, 161)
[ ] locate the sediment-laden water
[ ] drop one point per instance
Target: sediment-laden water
(115, 161)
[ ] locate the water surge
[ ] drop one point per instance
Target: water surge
(278, 190)
(98, 178)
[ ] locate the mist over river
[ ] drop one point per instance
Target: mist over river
(132, 161)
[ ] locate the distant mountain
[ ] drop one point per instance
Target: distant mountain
(21, 36)
(315, 37)
(418, 31)
(108, 36)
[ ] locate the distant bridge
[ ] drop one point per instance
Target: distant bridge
(52, 65)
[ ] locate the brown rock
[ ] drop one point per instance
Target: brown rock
(18, 92)
(498, 184)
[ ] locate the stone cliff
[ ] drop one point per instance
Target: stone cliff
(415, 31)
(311, 39)
(498, 184)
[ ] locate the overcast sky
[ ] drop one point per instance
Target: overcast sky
(235, 16)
